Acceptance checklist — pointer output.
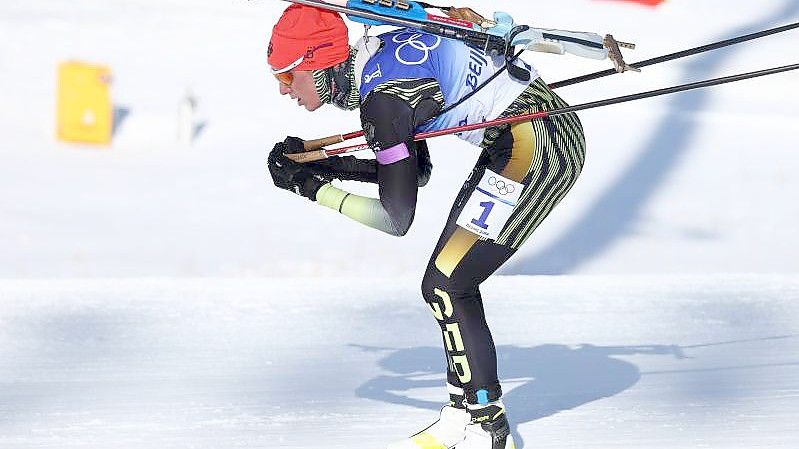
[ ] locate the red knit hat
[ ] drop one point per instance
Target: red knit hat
(308, 38)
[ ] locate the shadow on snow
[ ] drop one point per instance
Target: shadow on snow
(539, 381)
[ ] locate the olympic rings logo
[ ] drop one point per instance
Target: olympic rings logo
(502, 187)
(413, 41)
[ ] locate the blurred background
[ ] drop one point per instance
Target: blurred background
(699, 182)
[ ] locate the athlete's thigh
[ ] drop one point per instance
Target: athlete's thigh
(462, 256)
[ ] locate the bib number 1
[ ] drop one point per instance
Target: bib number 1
(490, 206)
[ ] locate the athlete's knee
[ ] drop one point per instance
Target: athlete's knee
(444, 294)
(433, 280)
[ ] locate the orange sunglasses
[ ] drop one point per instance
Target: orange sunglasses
(285, 75)
(285, 78)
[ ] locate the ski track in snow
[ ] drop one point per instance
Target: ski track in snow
(600, 362)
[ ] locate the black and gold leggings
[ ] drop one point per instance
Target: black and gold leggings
(544, 155)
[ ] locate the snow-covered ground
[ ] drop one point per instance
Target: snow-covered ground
(588, 361)
(158, 296)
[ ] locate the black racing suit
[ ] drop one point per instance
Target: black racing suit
(546, 156)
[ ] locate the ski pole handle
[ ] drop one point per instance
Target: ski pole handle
(308, 156)
(315, 151)
(318, 155)
(316, 144)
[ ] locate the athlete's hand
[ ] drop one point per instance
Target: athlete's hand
(294, 145)
(293, 176)
(345, 168)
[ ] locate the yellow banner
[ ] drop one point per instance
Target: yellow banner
(84, 110)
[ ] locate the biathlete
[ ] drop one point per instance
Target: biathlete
(401, 81)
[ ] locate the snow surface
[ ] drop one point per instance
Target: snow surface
(158, 296)
(587, 361)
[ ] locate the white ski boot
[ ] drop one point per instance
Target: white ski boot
(488, 429)
(444, 433)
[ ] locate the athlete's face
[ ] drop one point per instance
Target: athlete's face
(302, 88)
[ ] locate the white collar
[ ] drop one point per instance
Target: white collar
(367, 47)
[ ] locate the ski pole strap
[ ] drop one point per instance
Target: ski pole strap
(480, 87)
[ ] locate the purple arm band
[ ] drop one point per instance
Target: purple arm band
(393, 154)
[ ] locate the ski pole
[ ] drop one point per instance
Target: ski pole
(316, 144)
(678, 55)
(317, 155)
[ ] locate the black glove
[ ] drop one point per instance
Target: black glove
(294, 145)
(301, 179)
(345, 168)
